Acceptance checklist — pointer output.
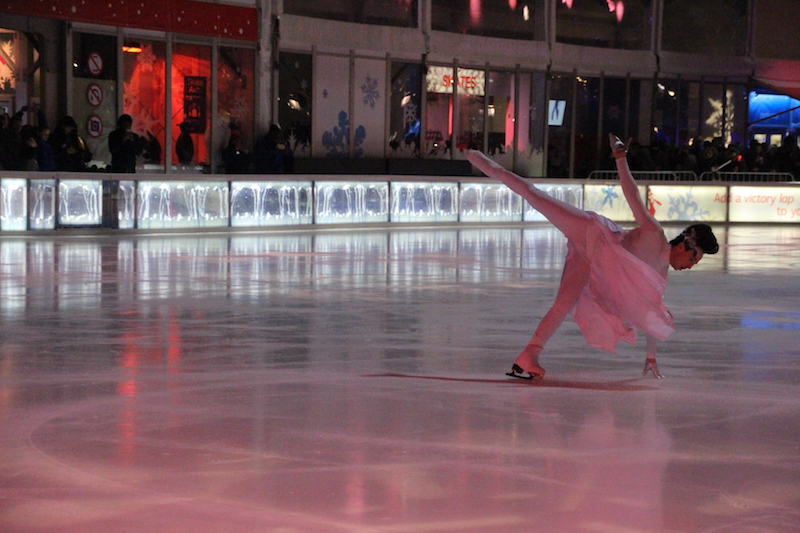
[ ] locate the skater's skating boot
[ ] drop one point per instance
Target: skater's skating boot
(526, 365)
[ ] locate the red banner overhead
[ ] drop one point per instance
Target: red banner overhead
(177, 16)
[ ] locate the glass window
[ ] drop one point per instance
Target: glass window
(621, 110)
(191, 103)
(532, 115)
(8, 81)
(676, 106)
(438, 111)
(501, 110)
(587, 116)
(443, 118)
(294, 110)
(235, 103)
(559, 126)
(404, 112)
(688, 26)
(94, 103)
(471, 97)
(369, 105)
(713, 113)
(621, 24)
(145, 97)
(510, 19)
(383, 12)
(331, 137)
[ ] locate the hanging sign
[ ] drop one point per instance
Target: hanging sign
(94, 126)
(94, 94)
(194, 103)
(94, 64)
(470, 81)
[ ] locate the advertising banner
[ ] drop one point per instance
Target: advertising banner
(764, 204)
(687, 203)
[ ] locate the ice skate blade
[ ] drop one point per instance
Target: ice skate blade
(518, 372)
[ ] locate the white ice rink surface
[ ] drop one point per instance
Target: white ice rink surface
(353, 381)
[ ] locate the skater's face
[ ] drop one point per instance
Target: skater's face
(682, 257)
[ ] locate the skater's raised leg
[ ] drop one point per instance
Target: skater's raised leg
(570, 220)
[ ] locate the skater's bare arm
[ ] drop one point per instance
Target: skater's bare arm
(628, 184)
(650, 364)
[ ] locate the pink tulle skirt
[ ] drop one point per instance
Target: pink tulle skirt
(622, 294)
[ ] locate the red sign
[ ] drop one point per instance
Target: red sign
(194, 103)
(94, 94)
(94, 126)
(94, 64)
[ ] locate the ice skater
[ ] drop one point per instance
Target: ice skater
(613, 279)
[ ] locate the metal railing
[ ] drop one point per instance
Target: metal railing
(661, 175)
(687, 175)
(768, 177)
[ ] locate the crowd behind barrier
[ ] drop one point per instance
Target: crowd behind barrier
(29, 147)
(706, 159)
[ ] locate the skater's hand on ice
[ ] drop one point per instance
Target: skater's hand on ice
(618, 148)
(650, 365)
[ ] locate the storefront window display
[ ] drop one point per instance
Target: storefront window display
(676, 111)
(559, 126)
(405, 110)
(191, 102)
(621, 106)
(471, 101)
(295, 97)
(531, 124)
(587, 150)
(443, 110)
(145, 96)
(508, 19)
(620, 24)
(8, 81)
(501, 115)
(235, 100)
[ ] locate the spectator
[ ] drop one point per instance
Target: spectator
(236, 160)
(184, 146)
(125, 146)
(45, 155)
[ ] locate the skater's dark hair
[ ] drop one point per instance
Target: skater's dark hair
(698, 236)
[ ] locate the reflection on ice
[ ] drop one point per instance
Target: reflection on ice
(353, 380)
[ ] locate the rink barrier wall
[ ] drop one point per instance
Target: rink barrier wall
(54, 201)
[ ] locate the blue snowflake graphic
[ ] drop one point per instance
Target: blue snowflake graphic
(609, 196)
(336, 141)
(370, 90)
(683, 207)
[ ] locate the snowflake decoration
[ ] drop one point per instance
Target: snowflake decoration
(715, 118)
(410, 113)
(146, 59)
(370, 90)
(609, 196)
(240, 108)
(336, 142)
(683, 207)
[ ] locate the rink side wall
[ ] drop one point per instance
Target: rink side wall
(42, 201)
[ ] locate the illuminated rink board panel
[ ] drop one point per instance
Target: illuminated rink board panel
(42, 201)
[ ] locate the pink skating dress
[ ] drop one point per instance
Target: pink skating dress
(623, 292)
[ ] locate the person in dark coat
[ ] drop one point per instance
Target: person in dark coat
(125, 146)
